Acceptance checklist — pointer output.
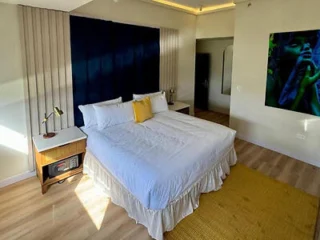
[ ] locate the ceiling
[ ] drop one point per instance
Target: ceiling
(203, 3)
(63, 5)
(196, 7)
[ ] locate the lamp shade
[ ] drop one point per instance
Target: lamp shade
(58, 111)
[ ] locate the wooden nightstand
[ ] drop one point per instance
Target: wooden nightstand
(180, 107)
(67, 143)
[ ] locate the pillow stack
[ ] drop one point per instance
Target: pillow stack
(158, 101)
(111, 115)
(113, 112)
(88, 111)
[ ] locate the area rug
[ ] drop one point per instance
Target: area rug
(250, 206)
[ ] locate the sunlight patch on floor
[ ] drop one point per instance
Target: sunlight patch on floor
(72, 178)
(94, 201)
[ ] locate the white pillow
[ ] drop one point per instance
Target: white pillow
(138, 96)
(110, 115)
(159, 103)
(88, 113)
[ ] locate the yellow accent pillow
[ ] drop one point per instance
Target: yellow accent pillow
(142, 110)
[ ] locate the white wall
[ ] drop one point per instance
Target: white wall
(13, 130)
(146, 14)
(217, 102)
(270, 127)
(216, 25)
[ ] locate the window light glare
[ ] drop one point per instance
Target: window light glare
(13, 140)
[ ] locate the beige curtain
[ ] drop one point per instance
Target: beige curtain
(47, 62)
(169, 47)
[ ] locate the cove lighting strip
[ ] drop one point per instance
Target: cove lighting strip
(196, 11)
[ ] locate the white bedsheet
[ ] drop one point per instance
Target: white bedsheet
(159, 159)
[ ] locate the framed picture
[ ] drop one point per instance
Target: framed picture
(293, 78)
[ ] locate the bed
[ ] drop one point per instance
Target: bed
(157, 170)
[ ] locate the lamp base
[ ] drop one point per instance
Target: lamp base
(170, 103)
(49, 135)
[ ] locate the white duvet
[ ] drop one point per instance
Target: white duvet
(160, 159)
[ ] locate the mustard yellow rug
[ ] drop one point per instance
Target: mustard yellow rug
(250, 206)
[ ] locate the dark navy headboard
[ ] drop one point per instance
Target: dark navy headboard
(110, 60)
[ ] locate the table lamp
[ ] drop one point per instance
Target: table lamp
(58, 113)
(171, 92)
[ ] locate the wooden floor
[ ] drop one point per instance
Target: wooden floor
(220, 118)
(77, 210)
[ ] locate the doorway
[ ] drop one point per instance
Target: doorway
(202, 81)
(213, 74)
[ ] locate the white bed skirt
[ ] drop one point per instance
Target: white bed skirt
(159, 221)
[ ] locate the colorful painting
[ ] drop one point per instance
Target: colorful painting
(293, 81)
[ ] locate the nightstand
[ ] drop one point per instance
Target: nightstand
(180, 107)
(70, 142)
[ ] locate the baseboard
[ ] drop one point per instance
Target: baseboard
(17, 178)
(242, 137)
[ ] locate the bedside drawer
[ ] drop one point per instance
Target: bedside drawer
(63, 152)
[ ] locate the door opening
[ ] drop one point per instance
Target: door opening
(213, 75)
(202, 81)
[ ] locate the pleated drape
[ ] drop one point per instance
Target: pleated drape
(169, 47)
(47, 63)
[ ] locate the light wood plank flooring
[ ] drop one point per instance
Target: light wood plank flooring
(220, 118)
(77, 210)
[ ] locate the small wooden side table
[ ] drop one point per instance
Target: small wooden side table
(67, 143)
(180, 107)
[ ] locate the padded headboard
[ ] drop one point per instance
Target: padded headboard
(110, 60)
